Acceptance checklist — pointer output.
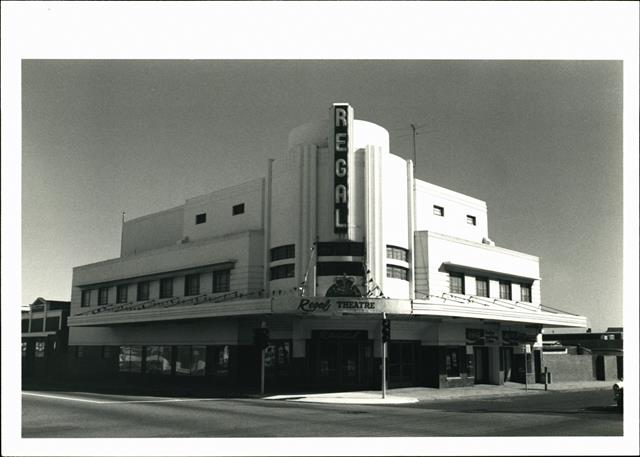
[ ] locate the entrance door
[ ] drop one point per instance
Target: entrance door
(349, 363)
(482, 365)
(402, 363)
(342, 363)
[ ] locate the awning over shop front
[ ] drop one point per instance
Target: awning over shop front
(447, 305)
(472, 307)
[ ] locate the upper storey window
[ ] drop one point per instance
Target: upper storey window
(438, 210)
(283, 252)
(238, 209)
(121, 295)
(394, 252)
(340, 248)
(201, 218)
(456, 283)
(192, 284)
(482, 287)
(103, 296)
(86, 298)
(143, 291)
(525, 293)
(505, 290)
(471, 220)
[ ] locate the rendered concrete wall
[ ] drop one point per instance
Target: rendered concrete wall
(456, 208)
(152, 231)
(218, 207)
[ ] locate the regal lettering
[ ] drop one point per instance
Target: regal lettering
(310, 306)
(341, 167)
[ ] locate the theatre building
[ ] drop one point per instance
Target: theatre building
(337, 233)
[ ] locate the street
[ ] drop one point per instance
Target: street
(83, 415)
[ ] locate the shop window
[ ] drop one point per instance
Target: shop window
(221, 360)
(192, 284)
(340, 268)
(121, 296)
(221, 281)
(277, 357)
(471, 220)
(201, 218)
(191, 360)
(482, 287)
(130, 359)
(157, 360)
(396, 272)
(24, 349)
(283, 252)
(525, 293)
(340, 248)
(438, 210)
(238, 209)
(394, 252)
(166, 288)
(453, 362)
(282, 271)
(81, 352)
(41, 346)
(36, 325)
(86, 298)
(107, 352)
(143, 291)
(103, 296)
(505, 290)
(456, 283)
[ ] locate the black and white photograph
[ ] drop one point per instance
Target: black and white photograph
(333, 232)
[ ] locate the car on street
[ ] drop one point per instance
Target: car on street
(617, 393)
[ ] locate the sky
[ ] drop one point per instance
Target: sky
(539, 141)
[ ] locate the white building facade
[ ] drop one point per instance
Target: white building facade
(337, 233)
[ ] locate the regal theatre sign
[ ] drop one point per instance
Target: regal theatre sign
(341, 139)
(331, 306)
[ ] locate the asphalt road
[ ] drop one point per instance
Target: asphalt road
(584, 413)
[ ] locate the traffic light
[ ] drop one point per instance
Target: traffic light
(261, 338)
(386, 330)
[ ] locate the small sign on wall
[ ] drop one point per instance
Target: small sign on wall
(475, 336)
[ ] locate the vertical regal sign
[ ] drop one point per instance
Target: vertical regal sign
(341, 153)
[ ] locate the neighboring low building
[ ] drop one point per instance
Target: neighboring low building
(584, 356)
(45, 338)
(338, 233)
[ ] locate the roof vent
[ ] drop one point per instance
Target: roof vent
(488, 241)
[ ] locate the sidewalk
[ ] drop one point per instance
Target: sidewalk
(415, 394)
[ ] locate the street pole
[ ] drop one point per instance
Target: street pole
(526, 368)
(262, 325)
(384, 361)
(262, 372)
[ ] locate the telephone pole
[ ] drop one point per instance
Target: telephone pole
(413, 128)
